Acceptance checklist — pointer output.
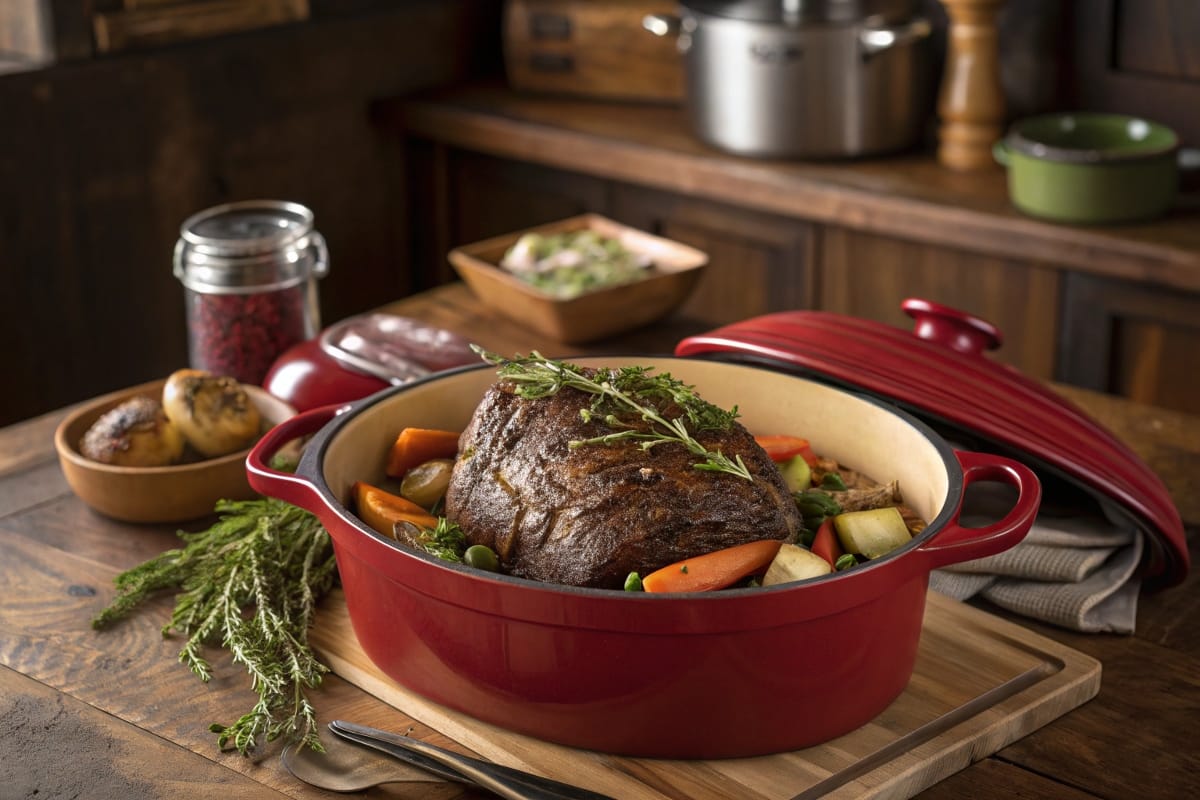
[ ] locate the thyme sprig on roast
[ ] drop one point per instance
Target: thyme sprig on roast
(624, 391)
(250, 584)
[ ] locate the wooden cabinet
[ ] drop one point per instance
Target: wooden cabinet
(1136, 57)
(1108, 307)
(460, 197)
(758, 263)
(867, 275)
(112, 153)
(1131, 340)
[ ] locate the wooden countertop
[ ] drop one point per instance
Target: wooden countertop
(114, 714)
(909, 196)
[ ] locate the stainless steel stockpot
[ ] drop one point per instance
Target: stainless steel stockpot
(798, 78)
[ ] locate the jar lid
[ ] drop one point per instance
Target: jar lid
(247, 228)
(249, 244)
(939, 372)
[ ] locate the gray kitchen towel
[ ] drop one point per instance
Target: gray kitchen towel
(1074, 569)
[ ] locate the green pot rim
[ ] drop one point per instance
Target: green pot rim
(1021, 140)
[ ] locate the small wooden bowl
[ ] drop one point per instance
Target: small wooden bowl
(155, 494)
(593, 315)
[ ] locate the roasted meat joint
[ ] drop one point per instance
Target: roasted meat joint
(572, 484)
(624, 478)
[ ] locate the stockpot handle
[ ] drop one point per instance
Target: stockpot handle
(294, 489)
(877, 38)
(661, 24)
(954, 543)
(1002, 152)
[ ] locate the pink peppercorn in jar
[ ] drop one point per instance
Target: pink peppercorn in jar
(249, 271)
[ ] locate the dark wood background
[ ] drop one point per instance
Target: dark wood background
(104, 154)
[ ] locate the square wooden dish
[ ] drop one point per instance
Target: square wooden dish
(592, 315)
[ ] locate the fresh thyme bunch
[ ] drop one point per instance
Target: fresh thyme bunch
(628, 390)
(265, 556)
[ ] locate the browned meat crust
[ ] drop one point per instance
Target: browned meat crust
(589, 516)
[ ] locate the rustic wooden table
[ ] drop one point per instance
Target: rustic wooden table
(113, 714)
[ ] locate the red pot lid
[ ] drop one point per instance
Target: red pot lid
(939, 372)
(362, 355)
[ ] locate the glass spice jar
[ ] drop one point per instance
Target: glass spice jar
(249, 271)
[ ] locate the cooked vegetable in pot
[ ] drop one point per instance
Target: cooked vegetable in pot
(623, 480)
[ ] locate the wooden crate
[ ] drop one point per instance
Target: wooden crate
(593, 48)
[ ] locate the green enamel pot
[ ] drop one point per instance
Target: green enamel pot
(1090, 168)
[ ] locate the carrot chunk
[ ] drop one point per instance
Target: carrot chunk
(415, 446)
(714, 570)
(382, 510)
(781, 447)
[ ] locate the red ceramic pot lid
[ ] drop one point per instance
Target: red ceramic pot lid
(362, 355)
(939, 372)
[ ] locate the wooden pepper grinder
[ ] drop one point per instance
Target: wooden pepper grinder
(971, 101)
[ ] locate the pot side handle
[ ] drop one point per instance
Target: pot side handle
(292, 488)
(1001, 152)
(955, 543)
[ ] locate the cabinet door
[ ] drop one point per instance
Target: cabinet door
(758, 263)
(1132, 340)
(493, 196)
(1136, 57)
(459, 197)
(868, 276)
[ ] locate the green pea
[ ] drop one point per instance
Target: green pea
(480, 556)
(633, 582)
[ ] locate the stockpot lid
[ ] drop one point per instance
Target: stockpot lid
(793, 12)
(938, 372)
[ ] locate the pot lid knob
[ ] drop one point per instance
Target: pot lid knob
(950, 327)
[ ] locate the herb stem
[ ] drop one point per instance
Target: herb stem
(251, 583)
(630, 389)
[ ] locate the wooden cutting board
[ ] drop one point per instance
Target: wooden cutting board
(980, 683)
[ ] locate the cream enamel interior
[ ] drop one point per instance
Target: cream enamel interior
(858, 433)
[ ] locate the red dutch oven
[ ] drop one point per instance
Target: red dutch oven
(739, 672)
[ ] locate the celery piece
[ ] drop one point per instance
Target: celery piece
(871, 533)
(796, 474)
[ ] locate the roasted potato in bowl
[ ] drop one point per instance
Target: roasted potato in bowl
(172, 493)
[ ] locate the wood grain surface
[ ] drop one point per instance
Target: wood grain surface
(113, 714)
(909, 196)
